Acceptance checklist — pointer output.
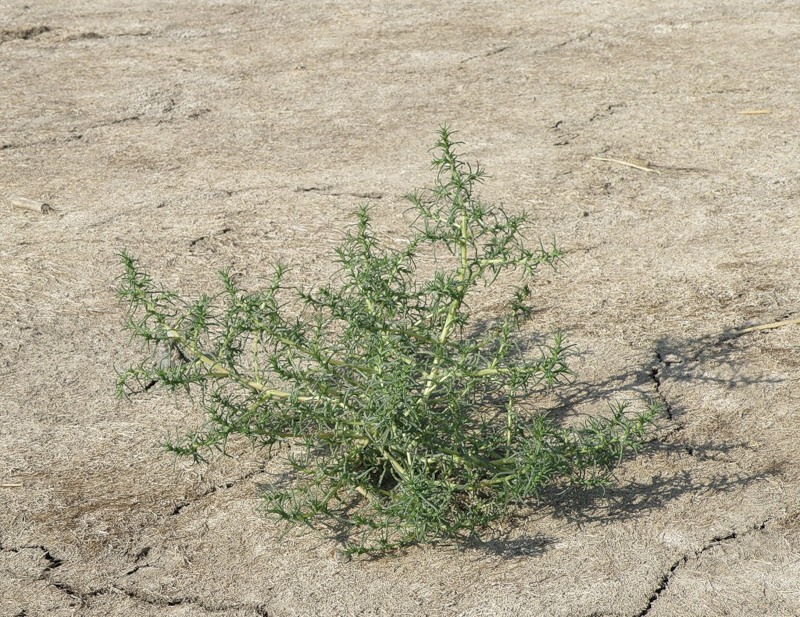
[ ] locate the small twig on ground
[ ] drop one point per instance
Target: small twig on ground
(770, 326)
(627, 164)
(755, 112)
(11, 485)
(23, 203)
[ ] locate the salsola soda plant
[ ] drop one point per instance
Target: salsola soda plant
(405, 421)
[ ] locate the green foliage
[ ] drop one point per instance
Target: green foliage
(406, 422)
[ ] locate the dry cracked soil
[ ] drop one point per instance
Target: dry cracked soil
(657, 141)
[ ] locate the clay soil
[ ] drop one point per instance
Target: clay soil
(657, 141)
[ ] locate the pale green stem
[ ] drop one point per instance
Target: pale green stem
(431, 382)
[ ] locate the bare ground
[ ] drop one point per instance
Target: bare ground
(205, 134)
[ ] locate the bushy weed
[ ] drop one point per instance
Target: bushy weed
(404, 422)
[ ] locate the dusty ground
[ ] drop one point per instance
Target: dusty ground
(211, 133)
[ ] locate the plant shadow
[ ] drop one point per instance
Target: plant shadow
(697, 362)
(501, 545)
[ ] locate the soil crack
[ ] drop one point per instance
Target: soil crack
(575, 39)
(214, 489)
(52, 562)
(665, 580)
(222, 232)
(486, 54)
(116, 121)
(327, 190)
(162, 601)
(50, 141)
(83, 597)
(22, 34)
(655, 375)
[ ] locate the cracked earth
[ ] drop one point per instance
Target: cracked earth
(657, 142)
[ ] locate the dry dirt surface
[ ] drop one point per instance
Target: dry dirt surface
(657, 141)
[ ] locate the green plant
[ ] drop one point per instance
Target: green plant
(407, 422)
